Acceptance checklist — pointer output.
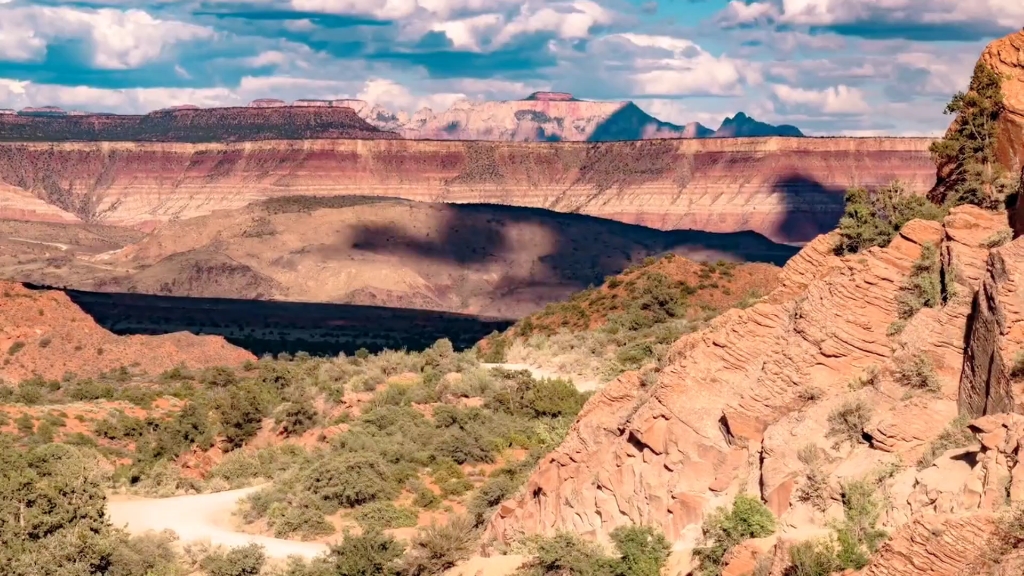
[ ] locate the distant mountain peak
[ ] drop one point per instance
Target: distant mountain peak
(743, 126)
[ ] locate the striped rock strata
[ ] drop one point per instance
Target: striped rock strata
(789, 189)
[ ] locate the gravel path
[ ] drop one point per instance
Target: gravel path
(200, 517)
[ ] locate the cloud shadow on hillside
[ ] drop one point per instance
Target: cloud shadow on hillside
(584, 249)
(262, 327)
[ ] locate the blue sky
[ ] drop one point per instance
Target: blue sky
(858, 67)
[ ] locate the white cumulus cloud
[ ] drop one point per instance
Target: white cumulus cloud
(118, 39)
(836, 100)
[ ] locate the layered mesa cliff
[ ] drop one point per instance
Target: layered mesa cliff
(789, 189)
(191, 125)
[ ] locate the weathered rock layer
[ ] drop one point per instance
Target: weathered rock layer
(789, 189)
(737, 403)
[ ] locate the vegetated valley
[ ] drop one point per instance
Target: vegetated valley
(858, 411)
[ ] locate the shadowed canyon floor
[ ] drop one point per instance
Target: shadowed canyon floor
(474, 259)
(789, 189)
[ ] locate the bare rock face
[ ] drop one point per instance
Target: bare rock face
(995, 337)
(788, 189)
(737, 402)
(936, 545)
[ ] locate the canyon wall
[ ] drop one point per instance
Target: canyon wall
(789, 189)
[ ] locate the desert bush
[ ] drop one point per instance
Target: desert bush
(923, 286)
(300, 517)
(384, 516)
(495, 349)
(566, 554)
(241, 411)
(298, 415)
(917, 371)
(368, 554)
(814, 490)
(15, 348)
(89, 390)
(120, 426)
(349, 480)
(813, 558)
(643, 550)
(873, 218)
(438, 547)
(858, 536)
(846, 423)
(871, 377)
(424, 497)
(241, 561)
(727, 527)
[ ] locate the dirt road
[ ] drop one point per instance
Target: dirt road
(200, 517)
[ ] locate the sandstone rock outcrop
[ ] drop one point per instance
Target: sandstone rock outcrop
(1006, 57)
(738, 401)
(785, 188)
(44, 333)
(936, 545)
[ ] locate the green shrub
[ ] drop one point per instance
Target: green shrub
(384, 516)
(241, 413)
(89, 390)
(241, 561)
(301, 517)
(218, 377)
(643, 550)
(495, 350)
(425, 498)
(971, 172)
(846, 423)
(955, 435)
(566, 554)
(857, 536)
(349, 480)
(15, 348)
(727, 527)
(437, 548)
(923, 287)
(25, 424)
(368, 554)
(873, 218)
(298, 416)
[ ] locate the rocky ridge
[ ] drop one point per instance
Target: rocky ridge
(737, 402)
(549, 116)
(789, 189)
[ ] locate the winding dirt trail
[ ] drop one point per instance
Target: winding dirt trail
(200, 517)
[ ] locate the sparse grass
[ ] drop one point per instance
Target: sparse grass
(1017, 367)
(998, 238)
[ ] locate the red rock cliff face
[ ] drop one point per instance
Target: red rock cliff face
(789, 189)
(733, 407)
